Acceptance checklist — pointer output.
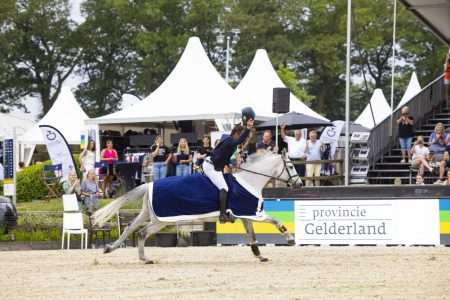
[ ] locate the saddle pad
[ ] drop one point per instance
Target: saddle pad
(196, 196)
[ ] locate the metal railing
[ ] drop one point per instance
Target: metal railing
(419, 106)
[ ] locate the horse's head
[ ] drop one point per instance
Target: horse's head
(273, 165)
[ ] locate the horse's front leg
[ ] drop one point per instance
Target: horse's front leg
(144, 234)
(248, 225)
(283, 230)
(138, 221)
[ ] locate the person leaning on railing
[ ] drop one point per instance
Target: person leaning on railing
(313, 153)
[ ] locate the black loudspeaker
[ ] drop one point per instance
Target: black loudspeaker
(185, 126)
(281, 100)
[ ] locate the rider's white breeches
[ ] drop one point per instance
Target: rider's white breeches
(215, 176)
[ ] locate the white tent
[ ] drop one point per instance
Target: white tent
(65, 115)
(380, 109)
(256, 88)
(412, 90)
(9, 122)
(194, 90)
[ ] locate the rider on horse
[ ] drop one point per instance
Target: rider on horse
(220, 158)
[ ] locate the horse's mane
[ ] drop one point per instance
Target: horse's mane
(257, 157)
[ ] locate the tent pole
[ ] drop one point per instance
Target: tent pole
(276, 132)
(393, 68)
(347, 94)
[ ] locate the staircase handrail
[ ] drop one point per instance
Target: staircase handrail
(419, 106)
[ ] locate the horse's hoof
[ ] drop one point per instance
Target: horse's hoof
(108, 249)
(291, 242)
(263, 259)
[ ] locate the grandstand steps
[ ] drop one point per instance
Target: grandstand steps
(389, 167)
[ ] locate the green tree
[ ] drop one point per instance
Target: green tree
(38, 50)
(109, 59)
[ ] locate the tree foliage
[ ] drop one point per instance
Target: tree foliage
(131, 47)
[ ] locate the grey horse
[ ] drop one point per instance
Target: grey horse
(253, 176)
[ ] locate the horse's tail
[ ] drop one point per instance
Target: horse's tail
(105, 213)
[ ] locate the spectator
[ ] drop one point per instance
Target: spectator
(296, 148)
(419, 180)
(420, 155)
(90, 191)
(87, 158)
(161, 157)
(405, 133)
(445, 163)
(183, 158)
(109, 154)
(72, 185)
(313, 152)
(266, 143)
(447, 76)
(205, 150)
(147, 162)
(437, 142)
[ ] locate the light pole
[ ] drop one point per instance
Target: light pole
(347, 94)
(231, 38)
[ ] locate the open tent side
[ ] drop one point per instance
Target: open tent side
(256, 88)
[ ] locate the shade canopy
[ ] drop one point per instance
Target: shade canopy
(9, 122)
(295, 120)
(378, 108)
(412, 90)
(353, 127)
(434, 13)
(256, 88)
(66, 115)
(194, 90)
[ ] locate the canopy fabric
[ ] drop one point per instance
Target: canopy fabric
(256, 88)
(66, 115)
(434, 13)
(353, 127)
(9, 122)
(194, 90)
(412, 90)
(295, 120)
(380, 107)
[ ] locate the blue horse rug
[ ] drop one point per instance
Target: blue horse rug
(190, 197)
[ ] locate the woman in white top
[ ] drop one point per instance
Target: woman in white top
(87, 158)
(420, 155)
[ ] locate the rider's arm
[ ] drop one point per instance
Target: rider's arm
(244, 135)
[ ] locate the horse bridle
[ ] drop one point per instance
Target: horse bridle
(289, 182)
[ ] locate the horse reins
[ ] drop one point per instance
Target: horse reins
(288, 181)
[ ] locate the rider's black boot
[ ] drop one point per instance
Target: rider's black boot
(223, 217)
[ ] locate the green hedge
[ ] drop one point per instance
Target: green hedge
(30, 185)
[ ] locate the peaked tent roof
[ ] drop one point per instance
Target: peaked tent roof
(380, 107)
(9, 122)
(256, 88)
(65, 115)
(194, 90)
(412, 90)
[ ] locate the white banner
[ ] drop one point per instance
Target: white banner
(58, 149)
(408, 222)
(330, 135)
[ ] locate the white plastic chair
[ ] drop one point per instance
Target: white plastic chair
(73, 224)
(70, 202)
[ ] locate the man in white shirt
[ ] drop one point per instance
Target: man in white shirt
(296, 148)
(313, 152)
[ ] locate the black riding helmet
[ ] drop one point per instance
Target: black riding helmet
(247, 114)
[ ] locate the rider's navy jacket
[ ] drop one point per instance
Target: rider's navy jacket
(225, 149)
